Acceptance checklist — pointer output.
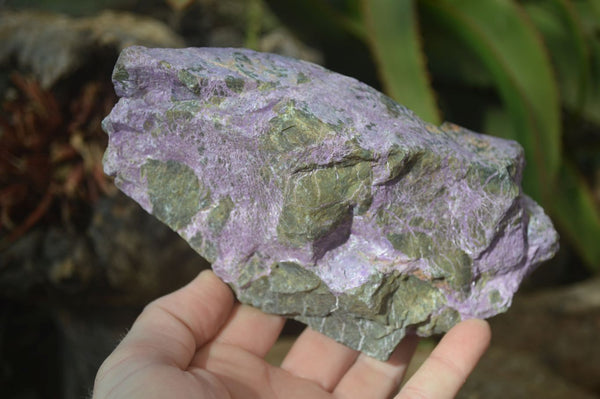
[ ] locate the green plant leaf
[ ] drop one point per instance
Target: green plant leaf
(507, 44)
(564, 37)
(591, 106)
(587, 13)
(594, 6)
(578, 217)
(392, 33)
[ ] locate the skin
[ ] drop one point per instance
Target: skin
(198, 342)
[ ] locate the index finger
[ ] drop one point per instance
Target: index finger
(171, 328)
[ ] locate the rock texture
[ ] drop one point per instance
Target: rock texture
(317, 197)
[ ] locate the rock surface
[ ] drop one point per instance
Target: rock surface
(316, 197)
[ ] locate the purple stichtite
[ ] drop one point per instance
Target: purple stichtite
(316, 197)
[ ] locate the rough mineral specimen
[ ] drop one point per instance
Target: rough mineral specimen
(317, 197)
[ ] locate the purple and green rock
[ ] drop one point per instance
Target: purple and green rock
(316, 197)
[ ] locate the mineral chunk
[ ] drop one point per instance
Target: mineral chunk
(317, 197)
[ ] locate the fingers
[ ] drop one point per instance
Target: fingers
(250, 329)
(172, 327)
(318, 358)
(371, 378)
(446, 369)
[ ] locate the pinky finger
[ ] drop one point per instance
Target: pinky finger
(447, 368)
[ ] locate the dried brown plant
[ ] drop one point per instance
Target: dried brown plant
(50, 154)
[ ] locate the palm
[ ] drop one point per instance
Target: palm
(199, 343)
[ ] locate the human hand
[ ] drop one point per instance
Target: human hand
(199, 343)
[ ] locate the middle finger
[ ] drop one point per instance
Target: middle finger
(371, 378)
(319, 358)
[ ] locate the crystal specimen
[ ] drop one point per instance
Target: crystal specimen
(319, 198)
